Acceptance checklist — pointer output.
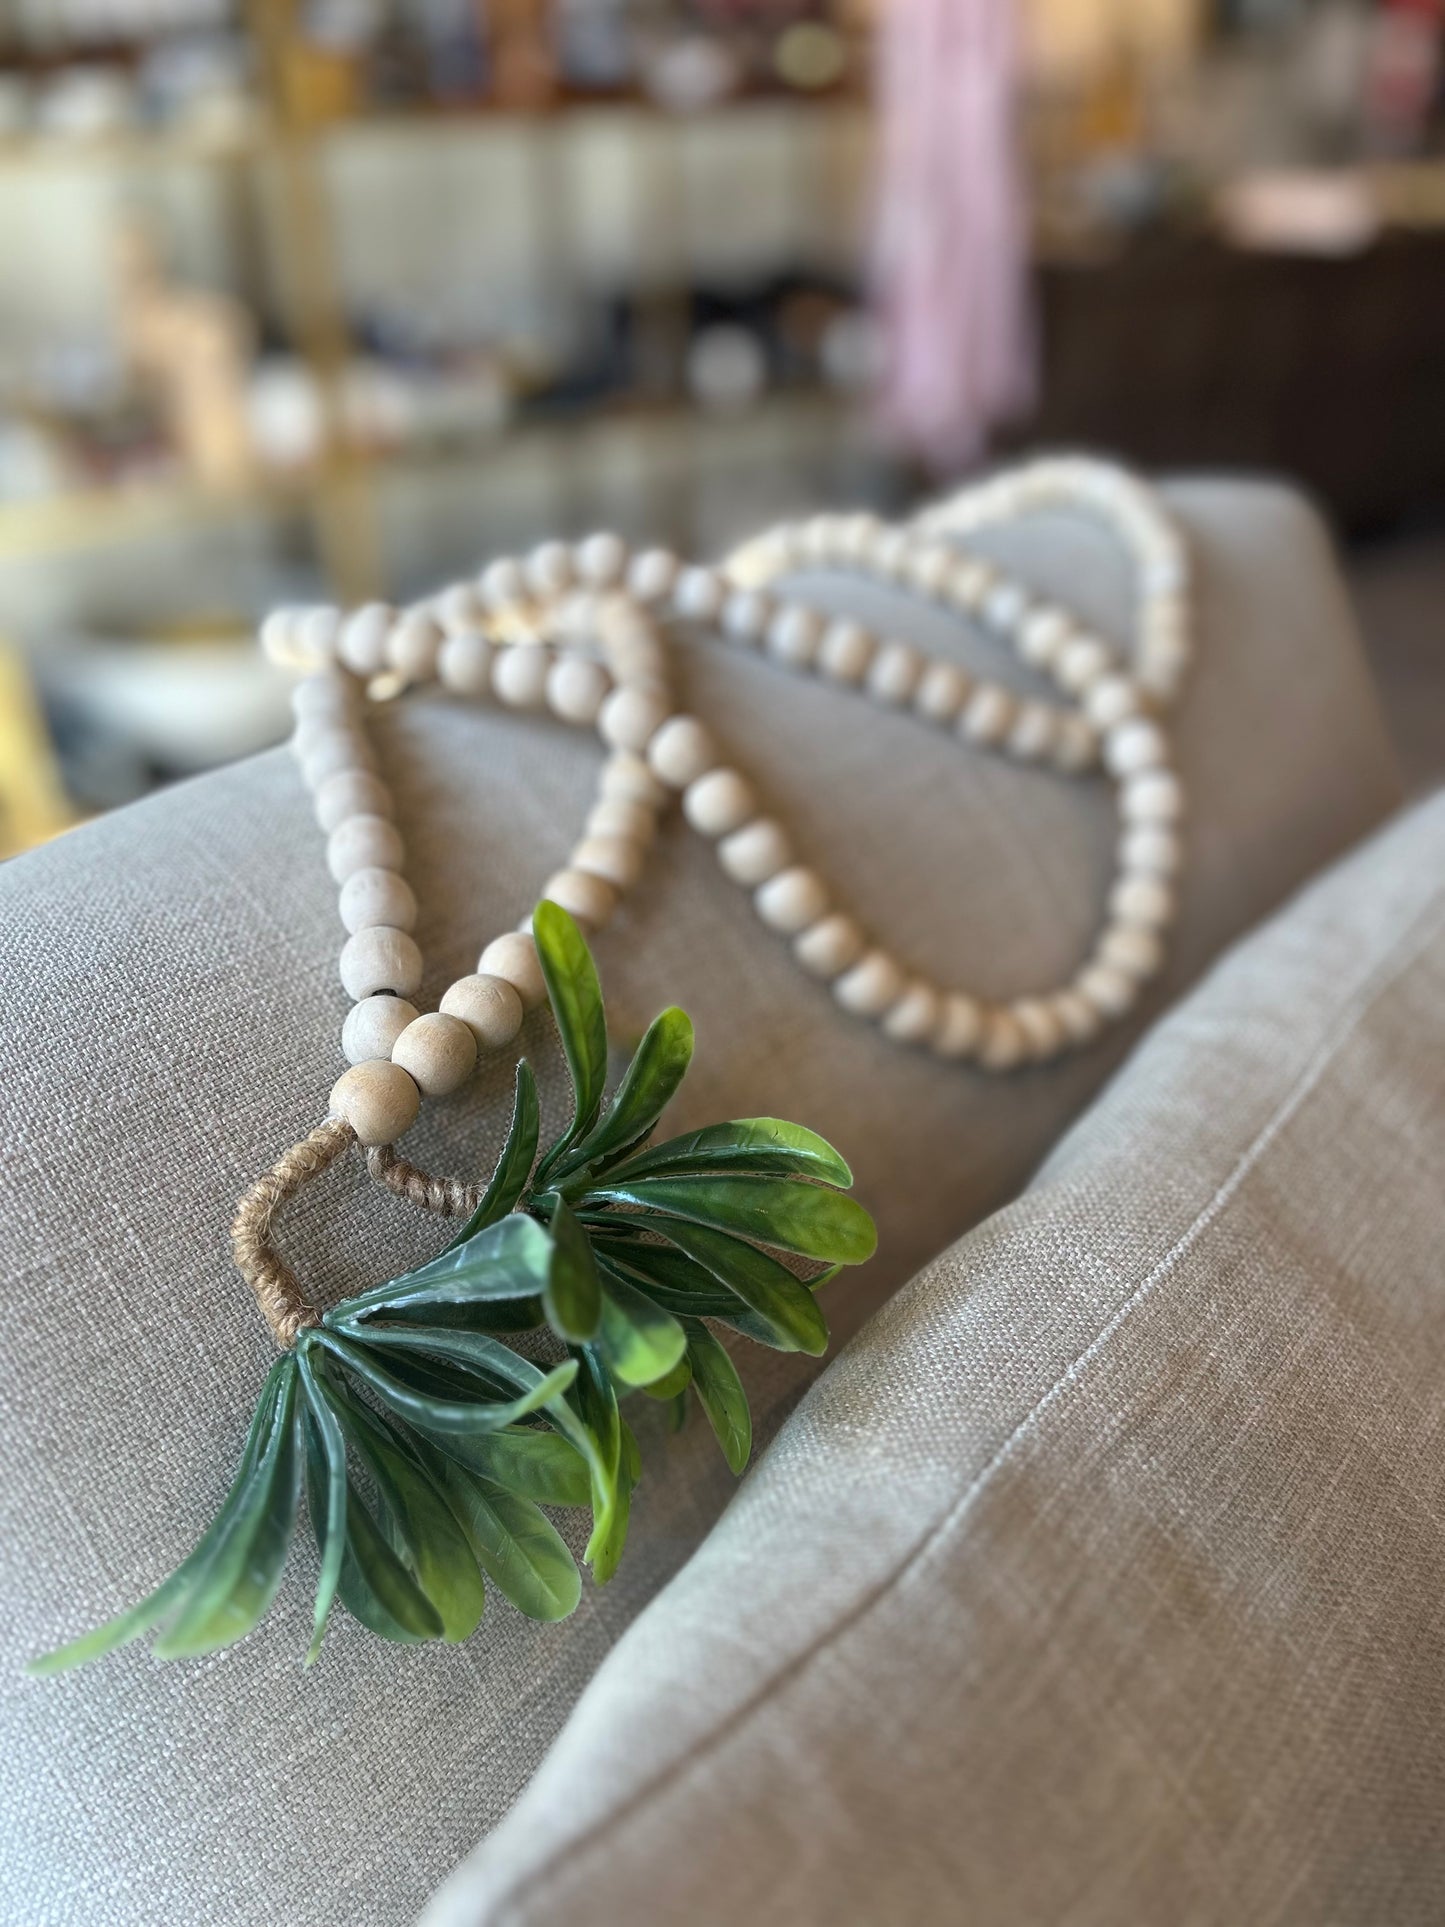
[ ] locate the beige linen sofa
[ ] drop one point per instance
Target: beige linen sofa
(171, 1026)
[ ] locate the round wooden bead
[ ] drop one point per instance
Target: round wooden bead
(582, 895)
(681, 751)
(513, 958)
(630, 718)
(1082, 662)
(1075, 743)
(1043, 634)
(362, 646)
(375, 896)
(615, 818)
(601, 559)
(1003, 1043)
(1043, 1031)
(502, 583)
(616, 859)
(413, 646)
(464, 664)
(845, 651)
(830, 946)
(1080, 1019)
(548, 569)
(329, 696)
(329, 751)
(794, 634)
(915, 1016)
(1154, 797)
(791, 900)
(1130, 947)
(1141, 899)
(361, 843)
(373, 1026)
(277, 636)
(459, 609)
(651, 575)
(1133, 746)
(316, 634)
(1151, 850)
(351, 792)
(960, 1026)
(577, 689)
(894, 672)
(745, 617)
(1108, 989)
(756, 852)
(698, 595)
(377, 1099)
(941, 693)
(872, 985)
(1033, 733)
(519, 675)
(1110, 701)
(438, 1052)
(380, 958)
(489, 1006)
(718, 803)
(627, 779)
(1005, 607)
(988, 715)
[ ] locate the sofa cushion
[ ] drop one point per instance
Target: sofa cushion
(1100, 1579)
(172, 1027)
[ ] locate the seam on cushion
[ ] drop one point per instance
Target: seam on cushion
(1393, 965)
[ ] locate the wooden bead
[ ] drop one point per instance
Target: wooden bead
(459, 609)
(489, 1006)
(845, 651)
(1110, 701)
(1131, 948)
(374, 896)
(464, 664)
(586, 897)
(519, 675)
(794, 634)
(380, 958)
(1076, 744)
(894, 672)
(1151, 850)
(756, 852)
(627, 779)
(791, 900)
(1033, 734)
(502, 583)
(1081, 663)
(513, 958)
(601, 560)
(630, 718)
(577, 689)
(718, 803)
(1043, 635)
(361, 843)
(830, 946)
(316, 635)
(438, 1052)
(960, 1026)
(616, 859)
(373, 1026)
(615, 818)
(698, 595)
(651, 575)
(330, 696)
(1109, 990)
(277, 636)
(1003, 1044)
(377, 1099)
(362, 646)
(1141, 899)
(681, 751)
(1080, 1019)
(941, 693)
(915, 1016)
(1133, 746)
(873, 984)
(1043, 1032)
(1154, 797)
(548, 569)
(1005, 607)
(988, 715)
(329, 751)
(413, 647)
(351, 792)
(745, 617)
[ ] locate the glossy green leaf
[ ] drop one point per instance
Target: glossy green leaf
(595, 1400)
(576, 998)
(514, 1167)
(171, 1592)
(506, 1260)
(424, 1527)
(788, 1309)
(376, 1587)
(434, 1414)
(667, 1275)
(673, 1382)
(721, 1393)
(538, 1465)
(326, 1486)
(631, 1454)
(516, 1545)
(238, 1582)
(658, 1066)
(804, 1218)
(748, 1146)
(572, 1296)
(639, 1340)
(677, 1408)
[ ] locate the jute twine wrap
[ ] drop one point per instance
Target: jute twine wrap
(284, 1305)
(449, 1197)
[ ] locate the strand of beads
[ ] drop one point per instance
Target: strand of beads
(578, 631)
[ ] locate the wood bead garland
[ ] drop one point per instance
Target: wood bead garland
(581, 631)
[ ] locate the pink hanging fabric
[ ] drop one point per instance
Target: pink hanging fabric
(951, 256)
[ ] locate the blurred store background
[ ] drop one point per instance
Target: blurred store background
(312, 299)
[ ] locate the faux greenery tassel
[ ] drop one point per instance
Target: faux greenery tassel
(623, 1248)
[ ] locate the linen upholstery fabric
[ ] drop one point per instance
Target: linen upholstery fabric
(171, 1028)
(1100, 1579)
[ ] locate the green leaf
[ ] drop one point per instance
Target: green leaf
(673, 1382)
(640, 1341)
(326, 1484)
(751, 1146)
(376, 1587)
(506, 1260)
(722, 1395)
(425, 1530)
(576, 998)
(595, 1400)
(434, 1414)
(514, 1167)
(239, 1580)
(669, 1278)
(786, 1306)
(171, 1592)
(805, 1218)
(516, 1545)
(657, 1068)
(677, 1411)
(542, 1466)
(572, 1297)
